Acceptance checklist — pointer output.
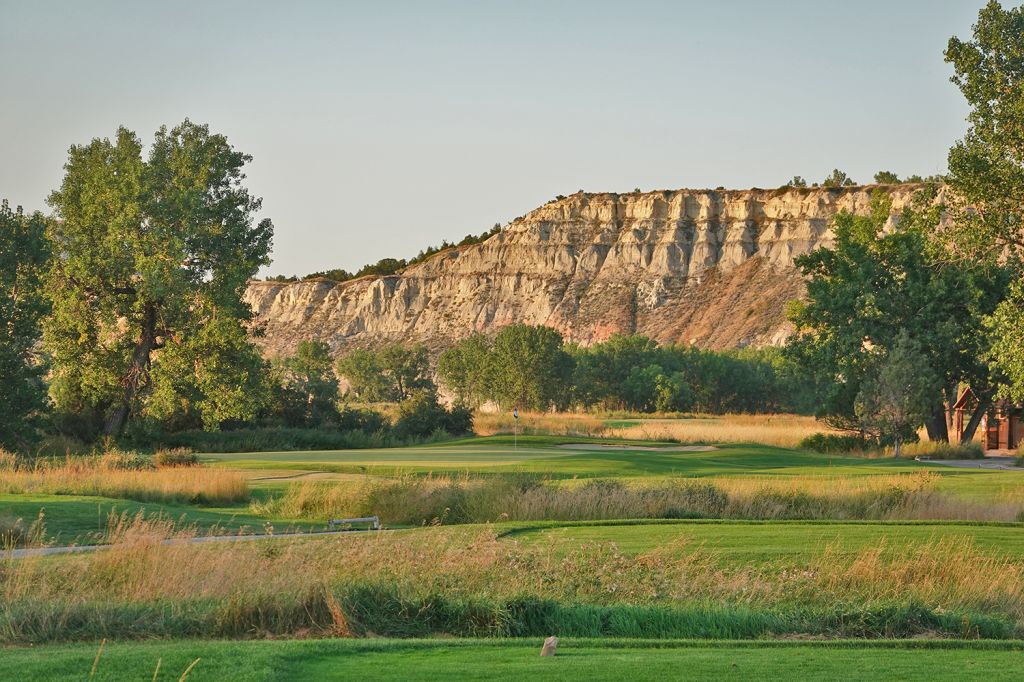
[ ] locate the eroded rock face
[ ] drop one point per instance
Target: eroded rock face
(712, 268)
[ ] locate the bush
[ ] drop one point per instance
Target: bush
(833, 443)
(356, 419)
(421, 416)
(281, 439)
(175, 457)
(940, 450)
(124, 460)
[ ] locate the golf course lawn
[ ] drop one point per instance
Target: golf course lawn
(765, 542)
(82, 519)
(548, 455)
(545, 455)
(593, 660)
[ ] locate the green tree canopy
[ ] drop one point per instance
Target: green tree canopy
(837, 179)
(986, 170)
(154, 254)
(529, 368)
(886, 178)
(389, 373)
(897, 395)
(305, 387)
(871, 285)
(464, 369)
(23, 256)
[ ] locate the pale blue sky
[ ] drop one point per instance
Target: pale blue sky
(381, 127)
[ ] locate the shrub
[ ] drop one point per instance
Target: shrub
(829, 443)
(278, 439)
(940, 450)
(422, 416)
(175, 457)
(357, 419)
(125, 460)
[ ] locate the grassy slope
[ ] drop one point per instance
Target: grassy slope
(756, 542)
(510, 659)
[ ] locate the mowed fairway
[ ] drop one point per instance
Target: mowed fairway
(503, 659)
(771, 542)
(548, 455)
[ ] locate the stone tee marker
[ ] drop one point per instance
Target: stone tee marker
(550, 644)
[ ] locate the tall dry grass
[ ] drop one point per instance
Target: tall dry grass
(451, 500)
(440, 581)
(539, 423)
(782, 430)
(121, 477)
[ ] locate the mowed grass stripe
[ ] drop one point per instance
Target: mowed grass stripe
(541, 456)
(511, 659)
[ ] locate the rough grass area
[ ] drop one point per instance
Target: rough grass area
(110, 477)
(436, 581)
(516, 659)
(416, 500)
(781, 430)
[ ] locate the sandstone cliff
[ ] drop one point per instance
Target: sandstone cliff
(712, 268)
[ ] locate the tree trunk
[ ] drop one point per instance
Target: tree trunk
(936, 425)
(952, 395)
(896, 443)
(138, 373)
(984, 402)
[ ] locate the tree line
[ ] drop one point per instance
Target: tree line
(531, 367)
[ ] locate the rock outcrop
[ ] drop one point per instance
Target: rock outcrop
(713, 268)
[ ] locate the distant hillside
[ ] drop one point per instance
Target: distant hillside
(713, 268)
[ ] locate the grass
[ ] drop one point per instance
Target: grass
(470, 583)
(781, 430)
(95, 477)
(707, 579)
(545, 455)
(83, 520)
(517, 659)
(763, 543)
(523, 497)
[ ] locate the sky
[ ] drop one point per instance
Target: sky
(379, 128)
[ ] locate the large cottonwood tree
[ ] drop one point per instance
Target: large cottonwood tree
(875, 284)
(152, 252)
(986, 170)
(23, 258)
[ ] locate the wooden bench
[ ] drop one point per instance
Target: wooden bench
(372, 520)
